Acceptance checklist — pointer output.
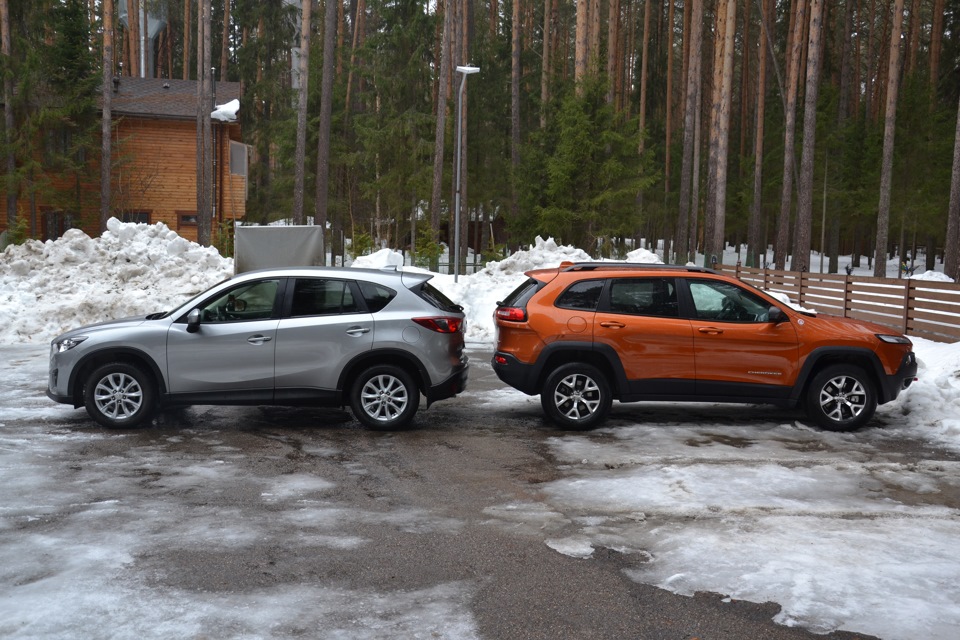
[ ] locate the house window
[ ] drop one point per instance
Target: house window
(140, 217)
(238, 158)
(186, 219)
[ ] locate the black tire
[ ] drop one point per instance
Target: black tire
(576, 396)
(842, 397)
(120, 395)
(384, 398)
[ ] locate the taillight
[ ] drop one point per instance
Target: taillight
(440, 325)
(512, 314)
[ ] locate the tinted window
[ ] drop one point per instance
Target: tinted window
(644, 297)
(435, 297)
(723, 301)
(376, 296)
(581, 295)
(316, 297)
(248, 301)
(522, 294)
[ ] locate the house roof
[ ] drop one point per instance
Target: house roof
(164, 98)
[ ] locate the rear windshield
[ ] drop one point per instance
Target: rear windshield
(522, 294)
(435, 297)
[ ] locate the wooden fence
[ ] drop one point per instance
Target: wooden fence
(922, 308)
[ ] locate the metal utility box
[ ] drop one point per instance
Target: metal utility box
(275, 246)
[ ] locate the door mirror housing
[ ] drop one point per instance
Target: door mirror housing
(193, 321)
(776, 315)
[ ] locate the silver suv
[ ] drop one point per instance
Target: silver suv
(373, 339)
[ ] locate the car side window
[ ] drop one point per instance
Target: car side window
(248, 301)
(714, 300)
(644, 297)
(584, 295)
(376, 296)
(321, 297)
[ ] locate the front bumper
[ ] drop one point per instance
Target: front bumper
(903, 378)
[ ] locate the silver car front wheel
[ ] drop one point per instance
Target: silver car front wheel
(119, 395)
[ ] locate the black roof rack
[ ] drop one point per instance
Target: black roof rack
(639, 266)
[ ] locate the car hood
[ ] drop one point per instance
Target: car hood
(847, 326)
(102, 326)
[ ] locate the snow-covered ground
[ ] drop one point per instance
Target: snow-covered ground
(758, 509)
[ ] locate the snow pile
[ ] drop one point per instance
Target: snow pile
(132, 269)
(935, 276)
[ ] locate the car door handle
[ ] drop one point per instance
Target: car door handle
(357, 331)
(713, 331)
(612, 325)
(258, 339)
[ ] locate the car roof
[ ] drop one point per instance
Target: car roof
(613, 266)
(410, 278)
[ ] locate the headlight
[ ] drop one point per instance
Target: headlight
(894, 339)
(67, 343)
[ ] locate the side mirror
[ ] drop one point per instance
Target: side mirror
(776, 315)
(193, 321)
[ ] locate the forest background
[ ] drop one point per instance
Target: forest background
(790, 124)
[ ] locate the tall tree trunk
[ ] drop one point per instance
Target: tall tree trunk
(691, 106)
(801, 252)
(438, 146)
(106, 118)
(889, 128)
(133, 37)
(299, 158)
(936, 45)
(546, 68)
(225, 45)
(359, 20)
(644, 65)
(789, 137)
(757, 247)
(914, 37)
(951, 257)
(582, 39)
(670, 101)
(187, 22)
(326, 110)
(6, 50)
(613, 50)
(714, 236)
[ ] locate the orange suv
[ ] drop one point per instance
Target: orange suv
(584, 334)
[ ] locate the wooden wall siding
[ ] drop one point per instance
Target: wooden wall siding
(921, 308)
(154, 170)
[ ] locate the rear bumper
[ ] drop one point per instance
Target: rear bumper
(450, 387)
(519, 375)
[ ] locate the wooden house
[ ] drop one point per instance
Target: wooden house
(154, 158)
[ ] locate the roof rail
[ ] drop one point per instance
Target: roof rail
(638, 266)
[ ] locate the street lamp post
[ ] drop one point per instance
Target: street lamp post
(467, 70)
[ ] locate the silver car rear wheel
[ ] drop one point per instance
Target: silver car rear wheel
(385, 397)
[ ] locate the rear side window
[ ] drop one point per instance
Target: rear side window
(316, 297)
(435, 297)
(644, 297)
(583, 295)
(376, 296)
